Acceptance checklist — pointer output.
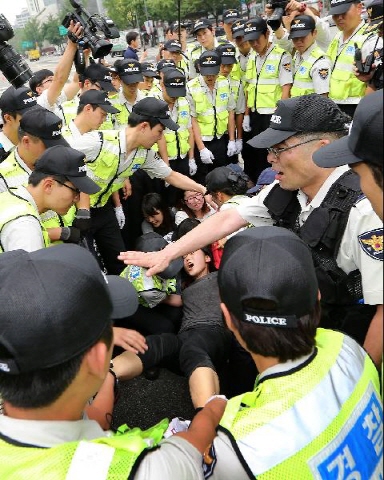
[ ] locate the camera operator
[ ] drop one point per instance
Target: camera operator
(50, 87)
(373, 49)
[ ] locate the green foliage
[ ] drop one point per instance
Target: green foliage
(32, 31)
(124, 13)
(50, 30)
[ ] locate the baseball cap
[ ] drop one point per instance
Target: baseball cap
(17, 100)
(238, 29)
(268, 263)
(219, 32)
(202, 23)
(173, 46)
(38, 77)
(337, 7)
(175, 83)
(365, 140)
(55, 305)
(225, 177)
(153, 107)
(230, 16)
(227, 52)
(266, 177)
(375, 12)
(149, 70)
(123, 295)
(301, 26)
(68, 162)
(99, 98)
(100, 74)
(175, 26)
(129, 71)
(209, 63)
(307, 113)
(45, 125)
(164, 64)
(154, 242)
(254, 27)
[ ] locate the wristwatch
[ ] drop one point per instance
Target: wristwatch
(116, 381)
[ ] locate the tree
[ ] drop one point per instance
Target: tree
(50, 30)
(32, 32)
(124, 13)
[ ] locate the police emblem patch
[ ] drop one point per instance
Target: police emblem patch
(372, 243)
(209, 461)
(287, 67)
(323, 73)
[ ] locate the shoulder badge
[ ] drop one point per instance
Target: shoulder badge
(372, 243)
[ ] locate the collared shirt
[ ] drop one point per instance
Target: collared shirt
(320, 71)
(131, 53)
(56, 108)
(192, 69)
(23, 165)
(351, 255)
(7, 145)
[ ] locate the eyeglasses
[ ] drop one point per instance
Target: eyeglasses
(47, 80)
(194, 198)
(76, 191)
(277, 151)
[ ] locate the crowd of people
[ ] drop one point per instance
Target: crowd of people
(217, 212)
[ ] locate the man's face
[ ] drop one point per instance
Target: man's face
(115, 80)
(205, 37)
(210, 80)
(303, 43)
(96, 117)
(44, 85)
(63, 196)
(228, 29)
(349, 19)
(130, 89)
(151, 135)
(294, 167)
(225, 70)
(33, 146)
(370, 188)
(175, 56)
(261, 44)
(147, 83)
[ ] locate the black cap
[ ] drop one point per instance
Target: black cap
(173, 46)
(39, 77)
(225, 177)
(365, 140)
(154, 242)
(149, 70)
(238, 29)
(175, 26)
(99, 98)
(175, 83)
(123, 295)
(129, 71)
(375, 12)
(254, 28)
(337, 7)
(209, 63)
(200, 24)
(152, 107)
(68, 162)
(45, 125)
(301, 26)
(231, 15)
(269, 263)
(164, 64)
(59, 308)
(227, 53)
(100, 74)
(219, 32)
(307, 113)
(17, 100)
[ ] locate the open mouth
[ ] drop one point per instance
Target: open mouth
(189, 265)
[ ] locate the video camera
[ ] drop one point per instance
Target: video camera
(12, 64)
(274, 21)
(96, 30)
(363, 67)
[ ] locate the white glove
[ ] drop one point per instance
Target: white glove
(206, 156)
(247, 123)
(239, 145)
(231, 149)
(120, 216)
(192, 167)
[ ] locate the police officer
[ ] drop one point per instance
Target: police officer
(311, 66)
(268, 79)
(229, 18)
(345, 88)
(55, 184)
(321, 205)
(14, 102)
(176, 53)
(212, 110)
(150, 78)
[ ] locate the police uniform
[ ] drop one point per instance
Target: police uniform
(6, 146)
(57, 107)
(196, 54)
(296, 424)
(345, 89)
(70, 108)
(374, 45)
(125, 107)
(359, 256)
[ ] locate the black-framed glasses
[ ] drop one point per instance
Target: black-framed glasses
(277, 151)
(194, 198)
(76, 191)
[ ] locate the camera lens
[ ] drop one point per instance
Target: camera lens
(13, 66)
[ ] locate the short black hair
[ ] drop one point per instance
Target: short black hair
(135, 119)
(131, 36)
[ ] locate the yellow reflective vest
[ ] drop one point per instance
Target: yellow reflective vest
(302, 80)
(320, 420)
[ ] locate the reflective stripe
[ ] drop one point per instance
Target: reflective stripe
(91, 460)
(333, 391)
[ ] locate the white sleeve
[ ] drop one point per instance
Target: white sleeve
(23, 233)
(228, 464)
(175, 459)
(240, 104)
(180, 216)
(254, 211)
(362, 248)
(321, 73)
(324, 33)
(284, 42)
(285, 70)
(89, 144)
(42, 100)
(3, 184)
(155, 166)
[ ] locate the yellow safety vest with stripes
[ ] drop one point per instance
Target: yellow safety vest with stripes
(116, 456)
(14, 207)
(323, 420)
(70, 112)
(343, 84)
(212, 119)
(264, 89)
(302, 80)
